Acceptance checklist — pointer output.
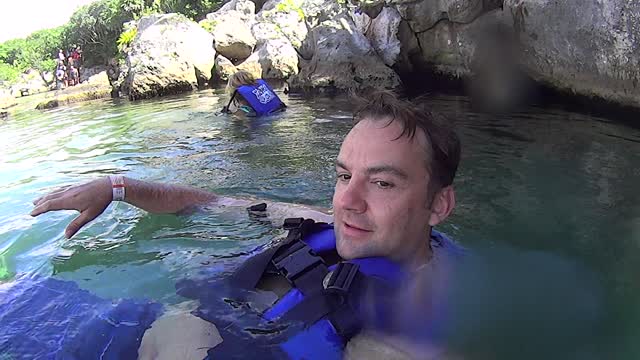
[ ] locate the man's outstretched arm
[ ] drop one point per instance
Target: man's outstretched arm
(92, 198)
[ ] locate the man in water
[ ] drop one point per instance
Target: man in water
(394, 182)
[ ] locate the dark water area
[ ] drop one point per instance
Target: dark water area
(547, 199)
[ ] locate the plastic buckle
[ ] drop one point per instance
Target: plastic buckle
(292, 223)
(258, 207)
(296, 260)
(341, 278)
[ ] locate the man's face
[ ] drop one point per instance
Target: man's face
(381, 201)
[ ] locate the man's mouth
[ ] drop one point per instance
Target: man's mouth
(353, 227)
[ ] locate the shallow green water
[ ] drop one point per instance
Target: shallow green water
(543, 180)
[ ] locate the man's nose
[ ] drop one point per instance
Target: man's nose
(352, 197)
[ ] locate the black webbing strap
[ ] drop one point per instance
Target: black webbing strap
(341, 290)
(293, 259)
(250, 272)
(304, 269)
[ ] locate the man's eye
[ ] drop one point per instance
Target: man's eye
(344, 177)
(384, 184)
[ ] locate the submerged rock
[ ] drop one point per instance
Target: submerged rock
(96, 87)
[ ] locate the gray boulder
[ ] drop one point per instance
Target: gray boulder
(252, 65)
(86, 73)
(6, 99)
(245, 8)
(424, 15)
(275, 59)
(287, 22)
(232, 29)
(169, 54)
(278, 59)
(29, 83)
(264, 31)
(233, 37)
(382, 32)
(224, 68)
(342, 59)
(588, 47)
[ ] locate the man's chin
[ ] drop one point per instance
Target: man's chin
(348, 249)
(343, 248)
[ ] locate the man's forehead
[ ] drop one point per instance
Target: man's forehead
(374, 147)
(382, 135)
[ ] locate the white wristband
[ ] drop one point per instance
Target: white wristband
(117, 187)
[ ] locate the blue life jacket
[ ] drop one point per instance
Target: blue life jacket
(47, 318)
(261, 97)
(328, 303)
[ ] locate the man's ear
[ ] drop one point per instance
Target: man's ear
(442, 205)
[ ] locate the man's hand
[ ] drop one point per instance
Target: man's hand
(90, 199)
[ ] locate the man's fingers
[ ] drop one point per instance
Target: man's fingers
(50, 205)
(55, 193)
(42, 199)
(78, 223)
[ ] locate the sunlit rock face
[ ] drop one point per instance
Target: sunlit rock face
(583, 47)
(170, 54)
(499, 47)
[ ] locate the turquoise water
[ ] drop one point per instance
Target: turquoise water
(544, 180)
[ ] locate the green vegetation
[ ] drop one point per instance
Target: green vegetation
(8, 73)
(208, 25)
(38, 51)
(98, 28)
(193, 9)
(126, 38)
(291, 6)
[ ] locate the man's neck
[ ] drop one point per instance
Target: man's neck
(421, 255)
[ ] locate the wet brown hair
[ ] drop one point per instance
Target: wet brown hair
(442, 155)
(238, 79)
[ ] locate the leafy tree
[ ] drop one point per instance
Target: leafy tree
(41, 49)
(193, 9)
(8, 73)
(96, 27)
(11, 50)
(38, 51)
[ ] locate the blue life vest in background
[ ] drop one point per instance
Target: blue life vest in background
(261, 97)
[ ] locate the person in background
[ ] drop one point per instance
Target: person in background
(61, 75)
(73, 76)
(253, 97)
(76, 55)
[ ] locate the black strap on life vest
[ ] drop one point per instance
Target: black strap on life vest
(341, 288)
(295, 260)
(332, 295)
